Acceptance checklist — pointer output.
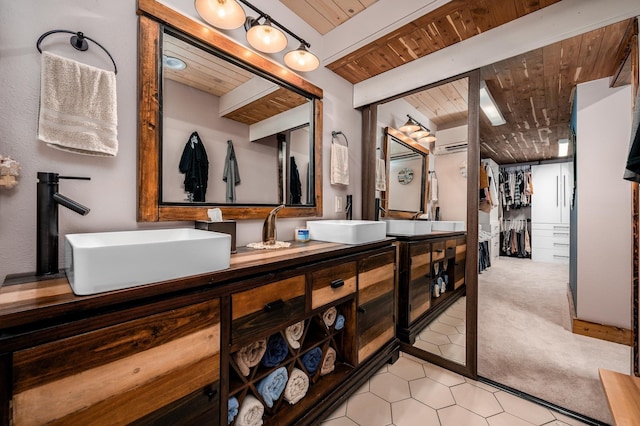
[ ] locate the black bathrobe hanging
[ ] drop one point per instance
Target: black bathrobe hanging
(195, 166)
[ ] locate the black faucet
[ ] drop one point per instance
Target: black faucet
(48, 199)
(349, 207)
(378, 208)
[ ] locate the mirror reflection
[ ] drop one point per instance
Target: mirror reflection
(408, 164)
(431, 180)
(230, 136)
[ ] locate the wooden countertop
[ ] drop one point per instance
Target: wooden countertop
(26, 303)
(623, 396)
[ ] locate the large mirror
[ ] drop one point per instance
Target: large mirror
(221, 126)
(408, 165)
(433, 181)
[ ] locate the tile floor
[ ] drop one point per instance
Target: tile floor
(445, 336)
(414, 392)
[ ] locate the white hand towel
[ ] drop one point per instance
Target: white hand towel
(339, 164)
(293, 334)
(381, 175)
(251, 412)
(433, 190)
(297, 386)
(78, 108)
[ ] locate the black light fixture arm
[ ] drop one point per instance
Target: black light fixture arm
(419, 123)
(274, 22)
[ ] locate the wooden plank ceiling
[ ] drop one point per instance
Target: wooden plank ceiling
(534, 91)
(216, 76)
(449, 24)
(325, 15)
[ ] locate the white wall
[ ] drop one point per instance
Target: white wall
(604, 204)
(452, 186)
(111, 193)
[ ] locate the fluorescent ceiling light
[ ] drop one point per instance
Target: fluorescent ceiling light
(563, 147)
(489, 106)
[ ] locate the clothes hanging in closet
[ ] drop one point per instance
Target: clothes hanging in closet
(484, 258)
(488, 192)
(194, 163)
(515, 239)
(516, 188)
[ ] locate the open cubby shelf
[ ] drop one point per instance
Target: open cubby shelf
(316, 334)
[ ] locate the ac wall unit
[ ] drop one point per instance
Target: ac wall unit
(449, 148)
(451, 140)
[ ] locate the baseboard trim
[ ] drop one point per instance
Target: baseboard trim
(610, 333)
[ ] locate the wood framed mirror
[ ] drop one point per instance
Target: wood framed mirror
(157, 202)
(427, 249)
(408, 165)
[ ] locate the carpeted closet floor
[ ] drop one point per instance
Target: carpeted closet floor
(525, 342)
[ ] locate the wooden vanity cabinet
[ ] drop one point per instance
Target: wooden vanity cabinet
(427, 262)
(151, 366)
(168, 353)
(265, 311)
(376, 302)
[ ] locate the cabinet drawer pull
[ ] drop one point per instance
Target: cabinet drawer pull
(272, 306)
(361, 310)
(211, 393)
(337, 283)
(439, 251)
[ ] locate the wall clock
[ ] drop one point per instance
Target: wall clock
(405, 176)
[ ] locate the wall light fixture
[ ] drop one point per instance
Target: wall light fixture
(268, 36)
(416, 130)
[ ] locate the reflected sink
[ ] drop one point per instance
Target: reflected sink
(105, 261)
(408, 227)
(448, 225)
(347, 231)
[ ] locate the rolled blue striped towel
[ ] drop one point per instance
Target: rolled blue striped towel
(340, 322)
(312, 359)
(277, 351)
(233, 409)
(271, 387)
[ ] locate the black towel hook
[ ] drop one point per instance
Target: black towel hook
(79, 42)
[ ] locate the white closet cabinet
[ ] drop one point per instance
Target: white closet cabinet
(552, 186)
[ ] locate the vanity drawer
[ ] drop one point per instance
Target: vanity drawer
(437, 251)
(267, 306)
(461, 252)
(332, 283)
(451, 247)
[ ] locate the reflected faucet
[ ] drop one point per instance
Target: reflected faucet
(416, 215)
(269, 227)
(378, 208)
(48, 199)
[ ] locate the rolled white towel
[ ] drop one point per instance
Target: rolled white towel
(328, 362)
(250, 355)
(297, 386)
(294, 333)
(329, 316)
(251, 412)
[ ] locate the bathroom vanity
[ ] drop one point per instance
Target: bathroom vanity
(168, 352)
(425, 263)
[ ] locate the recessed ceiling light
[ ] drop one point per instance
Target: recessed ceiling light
(173, 63)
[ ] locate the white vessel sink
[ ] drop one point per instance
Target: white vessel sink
(347, 231)
(408, 227)
(105, 261)
(448, 225)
